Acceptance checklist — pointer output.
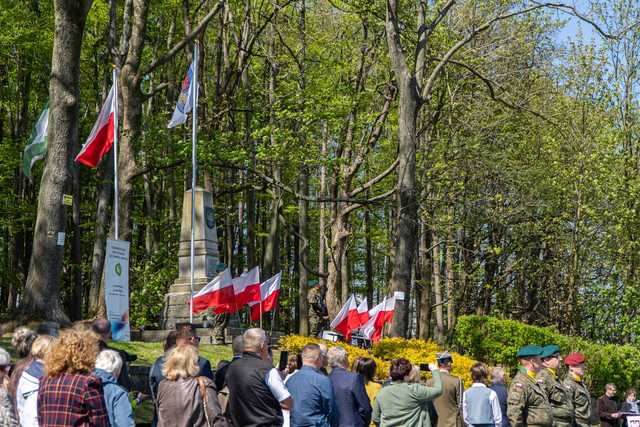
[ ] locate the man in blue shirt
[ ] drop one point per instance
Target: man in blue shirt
(312, 392)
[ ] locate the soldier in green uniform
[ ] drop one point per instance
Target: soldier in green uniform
(559, 394)
(580, 396)
(318, 313)
(528, 403)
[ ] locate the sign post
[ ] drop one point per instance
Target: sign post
(116, 292)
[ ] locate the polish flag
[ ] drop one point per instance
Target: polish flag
(269, 292)
(361, 316)
(341, 322)
(101, 138)
(217, 294)
(379, 315)
(246, 287)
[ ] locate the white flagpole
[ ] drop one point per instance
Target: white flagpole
(115, 153)
(194, 168)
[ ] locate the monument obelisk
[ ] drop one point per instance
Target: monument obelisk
(176, 302)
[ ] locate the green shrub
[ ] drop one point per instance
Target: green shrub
(496, 342)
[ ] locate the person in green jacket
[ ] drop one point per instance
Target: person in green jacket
(403, 403)
(528, 403)
(580, 396)
(558, 393)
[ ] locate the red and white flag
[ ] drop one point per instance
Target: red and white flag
(269, 292)
(341, 322)
(246, 287)
(100, 140)
(379, 315)
(217, 294)
(361, 316)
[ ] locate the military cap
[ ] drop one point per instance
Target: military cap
(574, 359)
(550, 351)
(444, 356)
(529, 351)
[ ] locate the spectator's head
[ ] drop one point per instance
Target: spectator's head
(5, 365)
(294, 362)
(186, 334)
(311, 356)
(497, 375)
(74, 352)
(48, 328)
(170, 340)
(324, 350)
(630, 396)
(255, 341)
(400, 369)
(102, 328)
(480, 373)
(182, 362)
(42, 346)
(444, 360)
(22, 340)
(610, 390)
(338, 357)
(237, 345)
(366, 367)
(110, 361)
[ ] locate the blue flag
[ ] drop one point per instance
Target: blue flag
(185, 100)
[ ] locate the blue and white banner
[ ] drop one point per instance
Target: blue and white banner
(185, 100)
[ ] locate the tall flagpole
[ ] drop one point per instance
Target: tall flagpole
(115, 153)
(194, 168)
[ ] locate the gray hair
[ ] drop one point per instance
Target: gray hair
(497, 374)
(610, 386)
(338, 357)
(110, 361)
(311, 352)
(237, 345)
(254, 339)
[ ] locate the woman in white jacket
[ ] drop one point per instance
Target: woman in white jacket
(27, 391)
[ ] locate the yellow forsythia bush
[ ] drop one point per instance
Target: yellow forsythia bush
(416, 351)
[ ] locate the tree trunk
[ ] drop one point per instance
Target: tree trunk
(437, 290)
(426, 266)
(42, 297)
(451, 307)
(368, 260)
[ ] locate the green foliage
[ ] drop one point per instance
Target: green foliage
(496, 341)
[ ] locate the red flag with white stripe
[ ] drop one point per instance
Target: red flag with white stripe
(246, 287)
(269, 291)
(217, 294)
(341, 322)
(379, 315)
(100, 140)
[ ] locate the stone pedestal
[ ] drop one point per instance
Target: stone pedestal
(176, 307)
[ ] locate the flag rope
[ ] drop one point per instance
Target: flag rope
(116, 208)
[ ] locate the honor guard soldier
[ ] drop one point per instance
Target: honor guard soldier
(528, 403)
(559, 394)
(580, 396)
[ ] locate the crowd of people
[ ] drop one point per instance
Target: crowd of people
(73, 378)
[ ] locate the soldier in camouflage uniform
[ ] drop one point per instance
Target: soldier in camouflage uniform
(318, 315)
(559, 394)
(580, 396)
(528, 403)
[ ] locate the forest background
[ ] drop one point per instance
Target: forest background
(459, 151)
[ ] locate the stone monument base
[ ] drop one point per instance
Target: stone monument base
(176, 303)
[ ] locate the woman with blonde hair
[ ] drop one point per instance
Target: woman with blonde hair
(185, 399)
(69, 394)
(29, 382)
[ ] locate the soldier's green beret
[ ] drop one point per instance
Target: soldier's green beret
(550, 350)
(529, 351)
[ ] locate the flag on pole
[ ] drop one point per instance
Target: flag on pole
(185, 100)
(101, 138)
(217, 294)
(379, 315)
(246, 287)
(269, 292)
(347, 312)
(36, 149)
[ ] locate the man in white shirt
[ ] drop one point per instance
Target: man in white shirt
(480, 404)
